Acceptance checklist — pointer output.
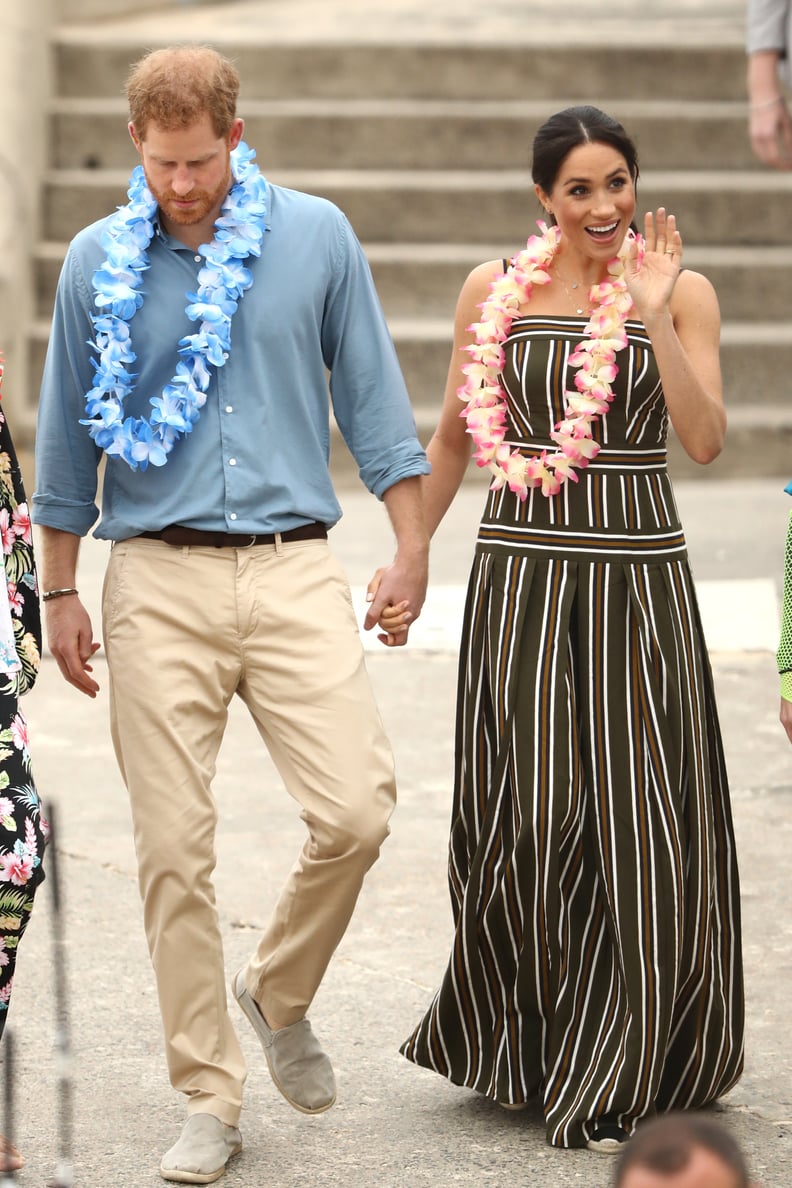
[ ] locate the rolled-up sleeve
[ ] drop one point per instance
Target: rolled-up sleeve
(370, 400)
(66, 457)
(767, 26)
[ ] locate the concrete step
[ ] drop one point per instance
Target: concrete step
(712, 206)
(90, 133)
(424, 279)
(753, 357)
(415, 280)
(759, 436)
(539, 67)
(376, 110)
(763, 432)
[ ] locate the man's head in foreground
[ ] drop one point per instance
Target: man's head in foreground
(682, 1151)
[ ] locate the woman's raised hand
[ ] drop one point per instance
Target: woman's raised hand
(651, 282)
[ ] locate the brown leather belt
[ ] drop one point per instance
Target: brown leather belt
(181, 537)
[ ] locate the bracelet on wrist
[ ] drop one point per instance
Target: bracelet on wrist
(767, 103)
(48, 594)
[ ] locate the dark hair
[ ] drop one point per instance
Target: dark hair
(567, 130)
(667, 1144)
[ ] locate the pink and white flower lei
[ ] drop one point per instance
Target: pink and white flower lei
(485, 398)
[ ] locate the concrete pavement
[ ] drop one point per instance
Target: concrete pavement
(394, 1126)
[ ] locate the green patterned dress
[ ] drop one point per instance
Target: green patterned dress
(596, 960)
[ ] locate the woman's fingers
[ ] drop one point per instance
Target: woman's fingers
(661, 234)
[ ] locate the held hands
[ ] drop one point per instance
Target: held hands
(395, 623)
(652, 284)
(394, 619)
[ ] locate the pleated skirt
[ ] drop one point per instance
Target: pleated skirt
(596, 959)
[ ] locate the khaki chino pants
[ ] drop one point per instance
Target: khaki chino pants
(185, 629)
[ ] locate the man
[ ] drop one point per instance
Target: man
(681, 1151)
(214, 305)
(769, 43)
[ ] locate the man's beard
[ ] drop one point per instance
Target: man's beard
(203, 202)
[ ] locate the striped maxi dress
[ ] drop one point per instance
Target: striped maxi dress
(596, 960)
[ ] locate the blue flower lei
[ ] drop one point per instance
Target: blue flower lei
(222, 281)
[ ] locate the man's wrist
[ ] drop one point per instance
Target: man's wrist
(58, 592)
(415, 550)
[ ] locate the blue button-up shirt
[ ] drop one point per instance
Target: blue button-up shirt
(257, 459)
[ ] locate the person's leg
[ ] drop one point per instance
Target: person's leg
(169, 619)
(306, 685)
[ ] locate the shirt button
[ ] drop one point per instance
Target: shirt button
(232, 516)
(197, 259)
(229, 408)
(232, 461)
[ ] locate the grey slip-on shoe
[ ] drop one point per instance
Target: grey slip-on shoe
(298, 1066)
(202, 1152)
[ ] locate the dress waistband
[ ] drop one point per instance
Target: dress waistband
(181, 537)
(625, 458)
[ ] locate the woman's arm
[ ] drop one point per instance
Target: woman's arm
(450, 446)
(686, 345)
(448, 451)
(681, 315)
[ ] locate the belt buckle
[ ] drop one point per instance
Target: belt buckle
(252, 536)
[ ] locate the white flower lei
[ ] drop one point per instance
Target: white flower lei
(222, 281)
(485, 399)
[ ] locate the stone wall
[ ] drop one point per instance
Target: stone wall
(24, 93)
(83, 10)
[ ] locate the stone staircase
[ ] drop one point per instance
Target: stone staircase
(435, 182)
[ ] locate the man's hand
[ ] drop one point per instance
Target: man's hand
(394, 620)
(396, 596)
(402, 585)
(771, 133)
(70, 639)
(770, 124)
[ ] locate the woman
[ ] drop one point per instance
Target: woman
(22, 826)
(596, 959)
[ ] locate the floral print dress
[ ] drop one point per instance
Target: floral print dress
(23, 829)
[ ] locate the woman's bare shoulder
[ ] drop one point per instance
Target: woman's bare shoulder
(693, 288)
(478, 281)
